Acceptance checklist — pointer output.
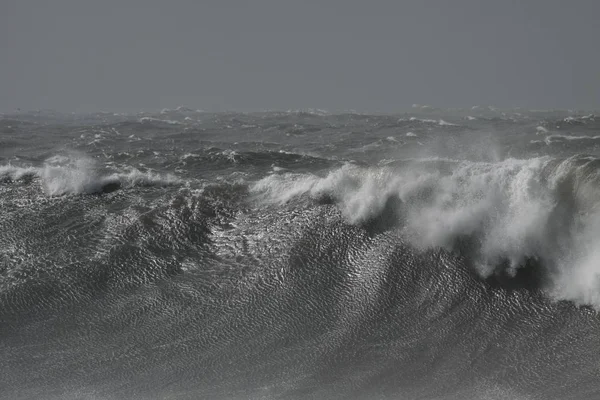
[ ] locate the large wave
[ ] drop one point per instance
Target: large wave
(515, 214)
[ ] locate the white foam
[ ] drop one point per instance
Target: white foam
(557, 138)
(312, 111)
(62, 175)
(230, 155)
(582, 119)
(14, 173)
(425, 121)
(411, 134)
(164, 121)
(134, 177)
(189, 155)
(444, 123)
(440, 122)
(282, 188)
(515, 209)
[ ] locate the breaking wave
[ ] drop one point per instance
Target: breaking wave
(300, 255)
(61, 175)
(539, 213)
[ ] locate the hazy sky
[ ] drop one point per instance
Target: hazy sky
(82, 55)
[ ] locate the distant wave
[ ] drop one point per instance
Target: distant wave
(560, 138)
(158, 120)
(214, 157)
(310, 111)
(439, 122)
(580, 120)
(512, 213)
(62, 175)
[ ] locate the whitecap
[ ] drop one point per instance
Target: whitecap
(164, 121)
(63, 175)
(539, 208)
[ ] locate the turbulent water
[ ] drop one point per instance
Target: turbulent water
(438, 254)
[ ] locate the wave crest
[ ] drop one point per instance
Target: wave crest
(61, 175)
(510, 212)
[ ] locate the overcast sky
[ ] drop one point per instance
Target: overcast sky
(120, 55)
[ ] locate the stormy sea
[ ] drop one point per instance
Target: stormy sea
(182, 254)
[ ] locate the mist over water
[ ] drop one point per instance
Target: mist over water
(433, 254)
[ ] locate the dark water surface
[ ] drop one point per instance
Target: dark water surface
(444, 254)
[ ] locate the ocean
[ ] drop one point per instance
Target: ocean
(182, 254)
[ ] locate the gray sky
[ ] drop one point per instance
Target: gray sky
(82, 55)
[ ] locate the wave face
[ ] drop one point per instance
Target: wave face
(510, 213)
(303, 254)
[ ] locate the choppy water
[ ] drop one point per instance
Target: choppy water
(441, 254)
